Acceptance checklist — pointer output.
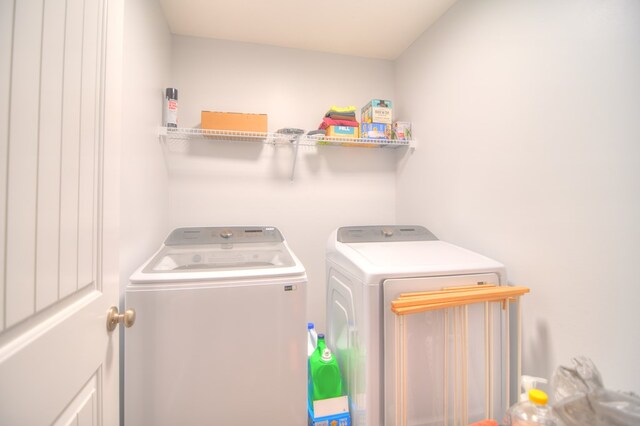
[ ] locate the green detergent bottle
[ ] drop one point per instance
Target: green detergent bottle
(326, 381)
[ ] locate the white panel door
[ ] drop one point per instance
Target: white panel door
(60, 79)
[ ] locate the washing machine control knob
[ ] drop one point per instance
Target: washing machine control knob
(387, 232)
(226, 234)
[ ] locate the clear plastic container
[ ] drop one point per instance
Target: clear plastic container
(533, 412)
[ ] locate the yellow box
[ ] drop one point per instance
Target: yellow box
(236, 121)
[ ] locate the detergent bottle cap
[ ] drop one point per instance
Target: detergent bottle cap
(538, 397)
(326, 355)
(528, 383)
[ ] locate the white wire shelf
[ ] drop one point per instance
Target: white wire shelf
(182, 133)
(320, 140)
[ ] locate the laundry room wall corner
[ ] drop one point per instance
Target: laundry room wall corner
(526, 114)
(145, 197)
(144, 218)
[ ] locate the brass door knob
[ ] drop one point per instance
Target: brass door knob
(114, 318)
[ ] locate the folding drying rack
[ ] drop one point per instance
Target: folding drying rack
(454, 302)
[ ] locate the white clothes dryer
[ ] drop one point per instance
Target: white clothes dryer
(369, 266)
(220, 332)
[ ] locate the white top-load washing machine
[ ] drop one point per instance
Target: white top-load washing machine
(367, 268)
(220, 332)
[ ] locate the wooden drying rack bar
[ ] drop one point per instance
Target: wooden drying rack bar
(411, 303)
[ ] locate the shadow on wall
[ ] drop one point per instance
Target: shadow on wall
(536, 354)
(232, 150)
(539, 356)
(342, 159)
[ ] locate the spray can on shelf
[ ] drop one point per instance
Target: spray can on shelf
(170, 111)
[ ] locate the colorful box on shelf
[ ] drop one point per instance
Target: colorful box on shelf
(343, 132)
(401, 130)
(375, 131)
(235, 121)
(377, 111)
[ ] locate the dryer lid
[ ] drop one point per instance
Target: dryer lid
(417, 255)
(380, 252)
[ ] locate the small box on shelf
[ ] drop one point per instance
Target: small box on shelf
(329, 412)
(375, 131)
(343, 132)
(236, 121)
(377, 111)
(401, 130)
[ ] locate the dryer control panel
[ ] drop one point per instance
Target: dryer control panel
(384, 233)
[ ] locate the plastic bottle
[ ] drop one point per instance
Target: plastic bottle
(312, 338)
(534, 412)
(528, 383)
(326, 381)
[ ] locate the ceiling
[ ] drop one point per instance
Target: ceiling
(380, 29)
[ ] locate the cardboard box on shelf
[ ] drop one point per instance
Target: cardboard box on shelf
(377, 111)
(235, 121)
(375, 131)
(329, 412)
(401, 130)
(343, 131)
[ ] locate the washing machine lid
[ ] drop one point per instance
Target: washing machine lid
(214, 253)
(376, 253)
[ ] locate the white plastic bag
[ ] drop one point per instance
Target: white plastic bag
(582, 400)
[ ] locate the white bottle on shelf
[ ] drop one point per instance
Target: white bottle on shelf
(312, 338)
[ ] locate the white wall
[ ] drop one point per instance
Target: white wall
(214, 183)
(144, 181)
(526, 115)
(144, 216)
